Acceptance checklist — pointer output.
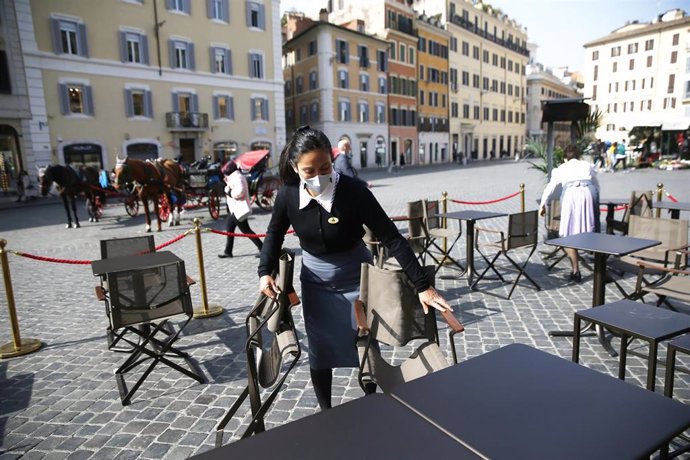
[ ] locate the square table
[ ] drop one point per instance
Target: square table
(674, 207)
(638, 320)
(470, 217)
(372, 427)
(521, 403)
(602, 245)
(611, 204)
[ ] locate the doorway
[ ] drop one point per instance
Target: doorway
(187, 150)
(394, 152)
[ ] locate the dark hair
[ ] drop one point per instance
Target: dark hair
(304, 140)
(571, 152)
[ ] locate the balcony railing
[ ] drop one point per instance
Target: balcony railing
(186, 121)
(460, 21)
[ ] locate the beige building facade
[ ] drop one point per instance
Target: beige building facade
(160, 78)
(335, 81)
(639, 76)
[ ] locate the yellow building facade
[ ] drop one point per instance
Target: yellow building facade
(157, 78)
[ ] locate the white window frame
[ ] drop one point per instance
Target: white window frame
(256, 57)
(258, 102)
(229, 107)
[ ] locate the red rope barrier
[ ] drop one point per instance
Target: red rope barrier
(619, 208)
(52, 259)
(243, 235)
(486, 202)
(670, 197)
(174, 240)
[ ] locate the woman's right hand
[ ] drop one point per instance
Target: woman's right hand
(268, 286)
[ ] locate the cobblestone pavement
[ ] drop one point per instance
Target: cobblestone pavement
(62, 402)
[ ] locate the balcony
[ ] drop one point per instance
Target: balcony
(186, 121)
(461, 22)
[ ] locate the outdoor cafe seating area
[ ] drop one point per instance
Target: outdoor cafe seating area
(432, 399)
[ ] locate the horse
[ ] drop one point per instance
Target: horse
(70, 184)
(153, 178)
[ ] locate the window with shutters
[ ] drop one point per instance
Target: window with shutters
(343, 79)
(363, 52)
(181, 54)
(299, 85)
(256, 65)
(218, 10)
(179, 6)
(69, 37)
(314, 111)
(382, 85)
(221, 60)
(256, 16)
(382, 61)
(76, 99)
(363, 112)
(303, 115)
(313, 80)
(223, 107)
(135, 48)
(380, 113)
(259, 109)
(344, 113)
(364, 82)
(138, 103)
(312, 48)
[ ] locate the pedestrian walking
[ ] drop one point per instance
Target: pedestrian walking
(620, 156)
(327, 212)
(239, 208)
(579, 200)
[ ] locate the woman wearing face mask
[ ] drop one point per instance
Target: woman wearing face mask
(327, 211)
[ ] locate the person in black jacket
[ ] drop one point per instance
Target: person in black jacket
(328, 211)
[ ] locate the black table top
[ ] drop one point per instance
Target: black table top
(372, 427)
(638, 319)
(681, 206)
(518, 402)
(617, 245)
(133, 262)
(614, 201)
(470, 214)
(682, 343)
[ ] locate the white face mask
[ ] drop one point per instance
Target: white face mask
(317, 184)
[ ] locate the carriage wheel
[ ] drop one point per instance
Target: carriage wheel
(214, 204)
(163, 207)
(266, 192)
(132, 205)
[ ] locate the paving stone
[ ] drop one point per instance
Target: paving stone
(156, 450)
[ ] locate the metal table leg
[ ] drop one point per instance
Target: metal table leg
(599, 297)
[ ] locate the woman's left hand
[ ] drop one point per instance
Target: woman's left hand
(431, 298)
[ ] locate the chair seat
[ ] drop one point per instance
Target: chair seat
(443, 233)
(427, 359)
(628, 264)
(676, 287)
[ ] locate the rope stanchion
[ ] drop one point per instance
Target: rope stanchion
(206, 310)
(487, 202)
(522, 197)
(659, 194)
(17, 347)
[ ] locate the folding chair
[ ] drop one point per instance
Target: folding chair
(522, 233)
(673, 284)
(424, 229)
(673, 234)
(271, 347)
(388, 312)
(148, 297)
(640, 205)
(552, 223)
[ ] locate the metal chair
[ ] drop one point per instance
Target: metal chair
(673, 234)
(640, 205)
(522, 234)
(140, 302)
(552, 223)
(388, 312)
(271, 343)
(673, 284)
(424, 231)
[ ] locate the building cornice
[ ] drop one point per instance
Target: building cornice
(650, 28)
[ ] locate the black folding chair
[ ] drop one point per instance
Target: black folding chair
(522, 233)
(271, 348)
(140, 302)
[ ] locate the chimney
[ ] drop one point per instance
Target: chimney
(323, 15)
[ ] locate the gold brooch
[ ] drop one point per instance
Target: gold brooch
(333, 220)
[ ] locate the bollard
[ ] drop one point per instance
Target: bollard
(522, 197)
(206, 310)
(17, 347)
(444, 208)
(659, 195)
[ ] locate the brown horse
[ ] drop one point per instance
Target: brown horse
(153, 179)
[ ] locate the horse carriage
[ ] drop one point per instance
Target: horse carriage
(204, 186)
(263, 186)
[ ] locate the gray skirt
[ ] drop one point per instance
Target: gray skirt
(330, 285)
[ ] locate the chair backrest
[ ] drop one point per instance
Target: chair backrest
(640, 205)
(145, 295)
(673, 234)
(415, 225)
(523, 229)
(431, 210)
(118, 247)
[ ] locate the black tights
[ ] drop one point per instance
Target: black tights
(322, 380)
